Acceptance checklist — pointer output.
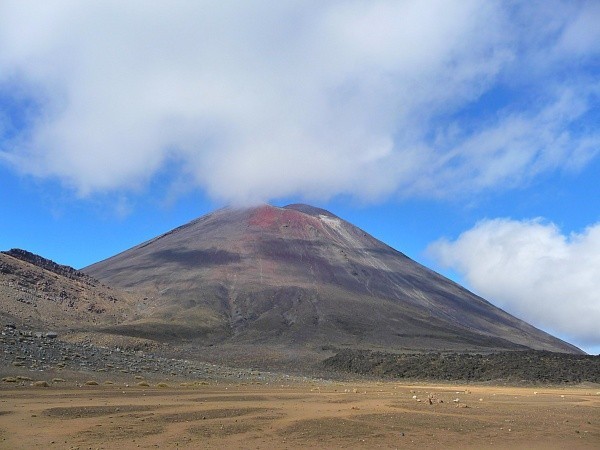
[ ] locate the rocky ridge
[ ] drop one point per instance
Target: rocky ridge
(46, 295)
(49, 265)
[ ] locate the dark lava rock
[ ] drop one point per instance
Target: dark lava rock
(518, 366)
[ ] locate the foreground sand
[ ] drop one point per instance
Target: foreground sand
(300, 415)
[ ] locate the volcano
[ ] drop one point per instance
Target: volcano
(300, 278)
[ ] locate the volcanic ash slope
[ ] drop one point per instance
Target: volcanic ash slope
(300, 277)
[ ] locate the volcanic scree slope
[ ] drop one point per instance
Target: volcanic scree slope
(301, 277)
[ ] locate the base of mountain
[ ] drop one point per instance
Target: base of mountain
(27, 352)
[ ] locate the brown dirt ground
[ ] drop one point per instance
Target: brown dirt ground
(300, 415)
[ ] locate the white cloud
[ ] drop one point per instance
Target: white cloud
(257, 100)
(518, 146)
(581, 36)
(534, 271)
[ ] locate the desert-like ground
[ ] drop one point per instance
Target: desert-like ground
(300, 414)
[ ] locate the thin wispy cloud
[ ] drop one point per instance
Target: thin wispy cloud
(257, 100)
(533, 270)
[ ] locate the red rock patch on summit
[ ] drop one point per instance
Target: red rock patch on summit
(270, 218)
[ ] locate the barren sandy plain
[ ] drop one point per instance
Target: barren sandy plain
(297, 414)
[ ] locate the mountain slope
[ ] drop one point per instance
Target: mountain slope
(301, 277)
(37, 292)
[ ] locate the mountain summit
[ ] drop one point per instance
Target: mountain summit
(299, 277)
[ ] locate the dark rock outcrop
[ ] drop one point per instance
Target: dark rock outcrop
(515, 367)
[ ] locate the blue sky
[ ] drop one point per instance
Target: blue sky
(464, 134)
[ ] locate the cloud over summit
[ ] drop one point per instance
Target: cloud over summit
(252, 101)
